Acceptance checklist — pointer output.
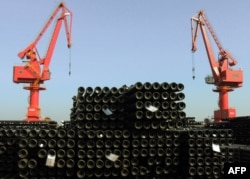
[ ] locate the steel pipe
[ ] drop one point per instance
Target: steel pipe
(81, 164)
(147, 86)
(124, 172)
(32, 143)
(125, 163)
(118, 163)
(135, 153)
(168, 161)
(108, 163)
(192, 161)
(61, 143)
(181, 105)
(139, 115)
(144, 152)
(200, 171)
(134, 161)
(216, 170)
(60, 163)
(151, 161)
(173, 105)
(165, 86)
(22, 133)
(200, 161)
(192, 171)
(90, 163)
(42, 143)
(22, 163)
(160, 152)
(96, 91)
(99, 163)
(208, 170)
(149, 115)
(52, 133)
(52, 143)
(33, 133)
(116, 143)
(22, 153)
(80, 91)
(156, 96)
(191, 142)
(191, 152)
(180, 87)
(165, 95)
(80, 153)
(61, 153)
(70, 153)
(42, 153)
(179, 124)
(180, 96)
(32, 163)
(80, 173)
(135, 171)
(147, 95)
(100, 144)
(199, 142)
(172, 96)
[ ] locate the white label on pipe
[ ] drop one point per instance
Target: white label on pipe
(112, 157)
(107, 111)
(50, 162)
(216, 147)
(151, 108)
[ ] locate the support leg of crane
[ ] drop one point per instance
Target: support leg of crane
(33, 113)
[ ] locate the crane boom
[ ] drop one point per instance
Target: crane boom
(36, 70)
(223, 77)
(65, 11)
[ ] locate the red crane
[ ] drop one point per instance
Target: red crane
(36, 70)
(223, 77)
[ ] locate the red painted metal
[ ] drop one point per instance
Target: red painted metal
(36, 70)
(224, 78)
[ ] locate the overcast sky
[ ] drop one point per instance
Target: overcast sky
(119, 42)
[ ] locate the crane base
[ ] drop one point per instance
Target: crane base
(224, 113)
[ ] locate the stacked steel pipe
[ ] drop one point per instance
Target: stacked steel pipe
(130, 123)
(203, 153)
(239, 152)
(139, 131)
(18, 147)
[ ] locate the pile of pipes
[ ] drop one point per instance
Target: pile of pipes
(240, 126)
(203, 153)
(148, 105)
(21, 144)
(139, 131)
(142, 131)
(240, 153)
(126, 128)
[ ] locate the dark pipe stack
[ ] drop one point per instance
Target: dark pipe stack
(130, 123)
(19, 146)
(145, 126)
(139, 131)
(239, 152)
(202, 152)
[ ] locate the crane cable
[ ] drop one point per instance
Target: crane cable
(193, 66)
(69, 61)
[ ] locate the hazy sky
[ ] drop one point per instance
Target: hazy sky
(117, 42)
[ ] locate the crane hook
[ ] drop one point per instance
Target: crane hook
(193, 66)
